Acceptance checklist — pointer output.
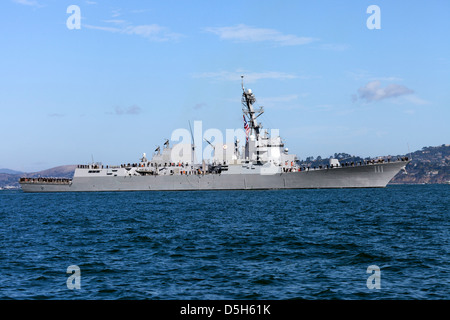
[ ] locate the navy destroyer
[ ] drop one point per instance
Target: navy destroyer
(262, 163)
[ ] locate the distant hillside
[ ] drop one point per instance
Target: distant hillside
(8, 180)
(9, 171)
(429, 165)
(56, 172)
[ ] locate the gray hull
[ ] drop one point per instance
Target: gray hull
(368, 176)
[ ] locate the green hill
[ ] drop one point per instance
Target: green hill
(429, 165)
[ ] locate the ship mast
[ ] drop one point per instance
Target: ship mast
(248, 99)
(192, 147)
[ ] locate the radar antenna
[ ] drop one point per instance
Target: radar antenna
(192, 146)
(248, 99)
(214, 148)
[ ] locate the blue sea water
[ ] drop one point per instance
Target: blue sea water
(273, 244)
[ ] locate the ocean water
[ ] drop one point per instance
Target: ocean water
(280, 244)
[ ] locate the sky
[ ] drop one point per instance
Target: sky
(135, 71)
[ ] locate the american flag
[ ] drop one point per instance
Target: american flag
(246, 127)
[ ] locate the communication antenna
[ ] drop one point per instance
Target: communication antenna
(192, 145)
(214, 148)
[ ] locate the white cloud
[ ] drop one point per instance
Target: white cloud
(248, 76)
(334, 47)
(414, 99)
(109, 29)
(134, 109)
(390, 79)
(116, 13)
(32, 3)
(244, 33)
(373, 91)
(115, 21)
(151, 32)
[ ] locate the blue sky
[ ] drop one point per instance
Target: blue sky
(137, 70)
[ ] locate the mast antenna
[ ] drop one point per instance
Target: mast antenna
(214, 148)
(192, 145)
